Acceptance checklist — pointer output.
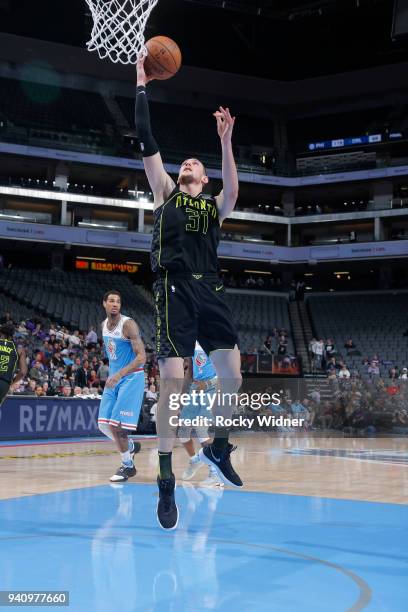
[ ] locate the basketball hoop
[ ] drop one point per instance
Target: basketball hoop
(118, 28)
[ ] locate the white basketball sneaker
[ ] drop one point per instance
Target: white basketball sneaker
(212, 480)
(193, 466)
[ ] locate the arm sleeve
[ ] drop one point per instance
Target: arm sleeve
(148, 145)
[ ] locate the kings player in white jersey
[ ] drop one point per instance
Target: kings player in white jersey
(123, 393)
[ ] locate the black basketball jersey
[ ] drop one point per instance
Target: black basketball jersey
(8, 359)
(186, 234)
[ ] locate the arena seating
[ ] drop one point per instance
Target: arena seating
(75, 300)
(177, 128)
(256, 315)
(322, 164)
(375, 322)
(17, 310)
(35, 105)
(53, 115)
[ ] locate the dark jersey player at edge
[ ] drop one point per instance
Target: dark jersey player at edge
(189, 297)
(11, 358)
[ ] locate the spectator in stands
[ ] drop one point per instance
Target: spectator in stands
(39, 357)
(91, 338)
(80, 375)
(318, 352)
(30, 389)
(68, 359)
(57, 376)
(268, 343)
(252, 351)
(374, 366)
(77, 392)
(326, 415)
(57, 360)
(344, 372)
(48, 391)
(357, 418)
(6, 318)
(94, 393)
(36, 372)
(392, 388)
(103, 373)
(339, 414)
(39, 391)
(332, 367)
(400, 421)
(151, 393)
(329, 349)
(21, 331)
(312, 349)
(315, 396)
(65, 391)
(153, 413)
(404, 374)
(39, 331)
(393, 373)
(282, 347)
(47, 351)
(349, 344)
(66, 381)
(75, 338)
(311, 408)
(92, 379)
(298, 410)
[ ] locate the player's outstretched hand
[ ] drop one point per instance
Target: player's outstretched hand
(142, 78)
(225, 124)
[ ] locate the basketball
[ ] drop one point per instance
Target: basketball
(164, 58)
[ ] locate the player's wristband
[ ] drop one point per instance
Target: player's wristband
(148, 145)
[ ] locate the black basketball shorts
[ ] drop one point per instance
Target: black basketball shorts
(191, 307)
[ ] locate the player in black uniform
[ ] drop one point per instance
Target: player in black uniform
(10, 357)
(189, 297)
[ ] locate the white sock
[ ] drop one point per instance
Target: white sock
(126, 458)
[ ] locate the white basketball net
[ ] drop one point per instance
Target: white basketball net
(118, 29)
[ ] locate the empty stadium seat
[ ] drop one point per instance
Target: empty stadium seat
(375, 322)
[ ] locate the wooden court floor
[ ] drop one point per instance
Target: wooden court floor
(367, 469)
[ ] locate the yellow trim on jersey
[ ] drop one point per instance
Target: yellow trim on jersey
(167, 316)
(161, 222)
(9, 351)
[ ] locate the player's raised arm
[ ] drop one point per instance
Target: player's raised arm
(227, 198)
(160, 182)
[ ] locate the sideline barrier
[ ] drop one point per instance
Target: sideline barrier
(27, 417)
